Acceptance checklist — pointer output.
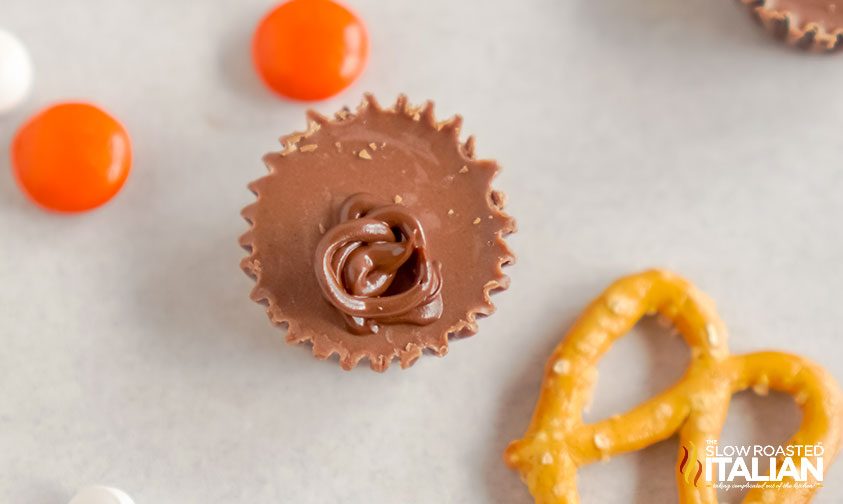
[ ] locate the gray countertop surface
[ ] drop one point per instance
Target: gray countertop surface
(633, 133)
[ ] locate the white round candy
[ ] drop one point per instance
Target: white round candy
(101, 495)
(15, 72)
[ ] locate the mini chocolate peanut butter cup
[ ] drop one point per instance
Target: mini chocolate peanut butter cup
(807, 24)
(377, 235)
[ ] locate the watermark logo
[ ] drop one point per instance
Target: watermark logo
(690, 464)
(752, 466)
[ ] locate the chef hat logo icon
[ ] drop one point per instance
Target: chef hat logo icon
(690, 466)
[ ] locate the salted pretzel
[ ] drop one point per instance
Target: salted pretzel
(558, 442)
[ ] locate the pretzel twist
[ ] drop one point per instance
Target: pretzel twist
(558, 442)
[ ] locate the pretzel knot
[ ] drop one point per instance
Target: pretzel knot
(558, 442)
(359, 265)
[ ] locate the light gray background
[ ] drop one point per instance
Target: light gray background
(633, 133)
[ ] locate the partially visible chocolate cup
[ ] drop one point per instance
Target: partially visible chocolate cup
(377, 235)
(808, 24)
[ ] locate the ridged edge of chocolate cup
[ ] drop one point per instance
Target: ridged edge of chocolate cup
(323, 348)
(807, 35)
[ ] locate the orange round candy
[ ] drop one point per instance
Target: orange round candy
(310, 49)
(71, 157)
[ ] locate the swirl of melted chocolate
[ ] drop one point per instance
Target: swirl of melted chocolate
(373, 267)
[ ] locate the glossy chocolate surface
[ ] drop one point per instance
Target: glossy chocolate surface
(359, 258)
(828, 14)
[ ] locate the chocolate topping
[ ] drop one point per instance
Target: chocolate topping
(358, 260)
(377, 235)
